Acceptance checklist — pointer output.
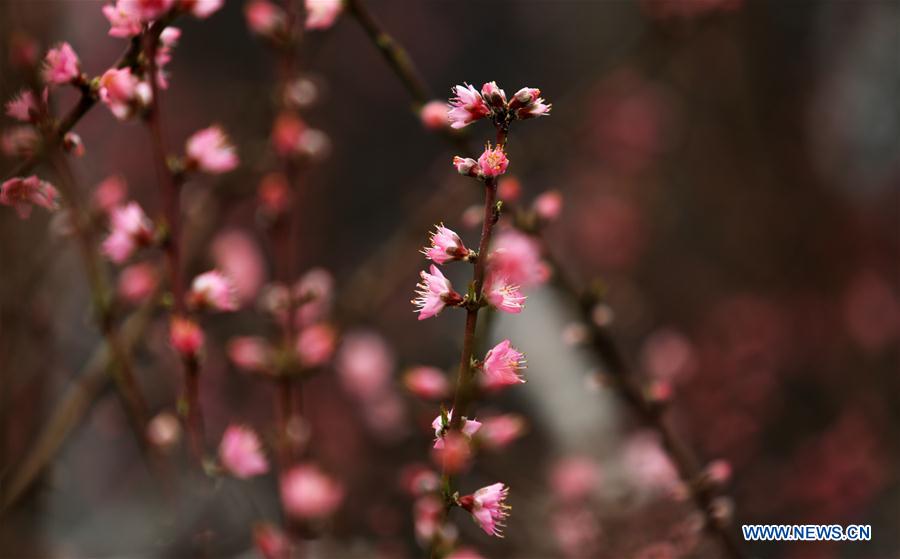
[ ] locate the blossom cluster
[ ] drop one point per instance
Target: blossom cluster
(470, 105)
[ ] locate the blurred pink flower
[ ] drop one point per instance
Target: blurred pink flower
(548, 205)
(503, 295)
(488, 507)
(164, 431)
(509, 189)
(130, 228)
(434, 293)
(110, 193)
(321, 14)
(239, 257)
(315, 291)
(274, 194)
(502, 365)
(500, 431)
(241, 453)
(429, 383)
(23, 193)
(201, 9)
(124, 18)
(61, 65)
(308, 494)
(25, 106)
(452, 453)
(271, 542)
(434, 115)
(315, 344)
(365, 364)
(648, 465)
(211, 151)
(668, 355)
(251, 353)
(517, 257)
(186, 337)
(212, 290)
(418, 479)
(445, 246)
(19, 141)
(573, 478)
(137, 282)
(264, 18)
(493, 161)
(466, 107)
(123, 93)
(287, 133)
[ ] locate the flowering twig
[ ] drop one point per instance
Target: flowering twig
(603, 344)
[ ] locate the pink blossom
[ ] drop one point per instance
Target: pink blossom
(465, 166)
(212, 290)
(61, 65)
(124, 19)
(427, 516)
(110, 193)
(264, 18)
(270, 541)
(241, 453)
(502, 365)
(498, 432)
(509, 189)
(493, 161)
(25, 106)
(466, 107)
(315, 344)
(445, 246)
(365, 364)
(307, 493)
(137, 282)
(503, 295)
(548, 205)
(434, 115)
(469, 428)
(287, 133)
(434, 293)
(648, 465)
(129, 229)
(167, 41)
(19, 141)
(574, 478)
(320, 14)
(495, 96)
(667, 355)
(418, 479)
(23, 193)
(488, 507)
(718, 472)
(274, 194)
(211, 151)
(251, 353)
(201, 9)
(186, 337)
(314, 293)
(429, 383)
(148, 10)
(517, 257)
(527, 103)
(454, 453)
(239, 257)
(123, 92)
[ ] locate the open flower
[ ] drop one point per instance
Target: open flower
(321, 14)
(201, 9)
(123, 92)
(469, 428)
(124, 18)
(307, 493)
(434, 293)
(25, 106)
(23, 193)
(211, 151)
(445, 246)
(493, 162)
(61, 65)
(212, 290)
(503, 295)
(130, 228)
(488, 507)
(502, 365)
(241, 453)
(467, 107)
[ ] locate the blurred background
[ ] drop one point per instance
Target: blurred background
(730, 172)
